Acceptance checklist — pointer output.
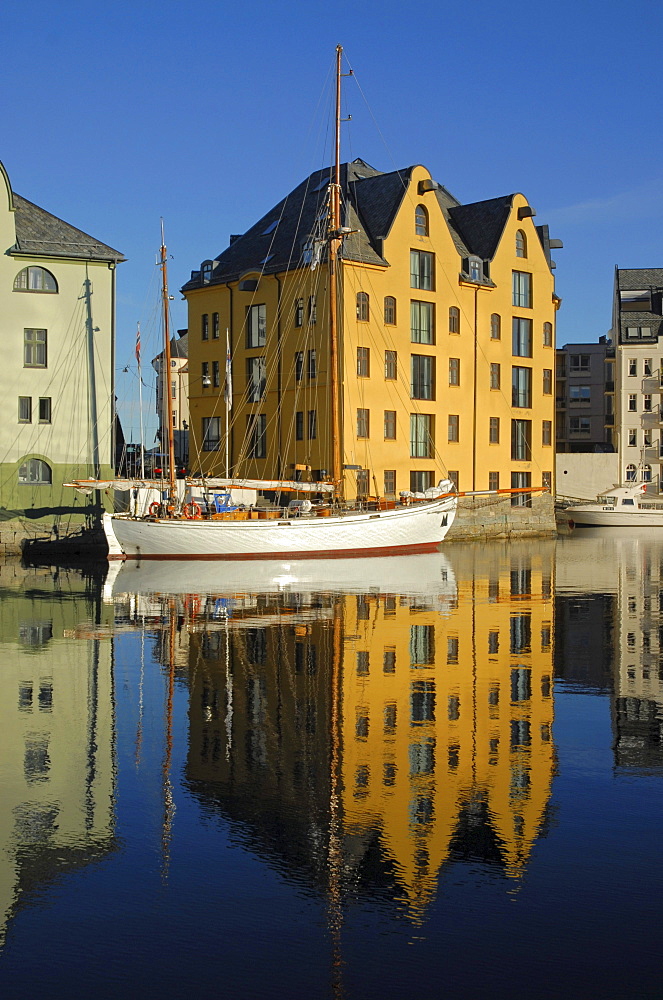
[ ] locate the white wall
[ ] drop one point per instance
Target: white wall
(584, 476)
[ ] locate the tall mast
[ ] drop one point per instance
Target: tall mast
(334, 266)
(167, 417)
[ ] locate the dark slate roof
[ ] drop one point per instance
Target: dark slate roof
(179, 347)
(480, 225)
(633, 279)
(42, 234)
(370, 202)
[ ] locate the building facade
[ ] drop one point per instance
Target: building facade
(174, 407)
(584, 399)
(637, 335)
(446, 340)
(57, 315)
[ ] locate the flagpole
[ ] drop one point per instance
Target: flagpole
(229, 399)
(140, 405)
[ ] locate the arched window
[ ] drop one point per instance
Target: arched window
(421, 221)
(362, 306)
(35, 279)
(390, 309)
(646, 473)
(35, 471)
(454, 319)
(496, 327)
(521, 244)
(630, 473)
(206, 271)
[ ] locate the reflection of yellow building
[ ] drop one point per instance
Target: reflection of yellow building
(420, 726)
(56, 733)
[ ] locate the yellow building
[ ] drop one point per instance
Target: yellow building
(446, 340)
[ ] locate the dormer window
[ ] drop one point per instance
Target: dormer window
(521, 244)
(270, 228)
(421, 221)
(206, 271)
(475, 268)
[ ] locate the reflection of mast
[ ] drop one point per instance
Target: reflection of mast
(168, 804)
(139, 730)
(335, 854)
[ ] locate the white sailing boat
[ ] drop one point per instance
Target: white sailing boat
(318, 522)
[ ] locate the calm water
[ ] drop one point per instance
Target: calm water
(426, 777)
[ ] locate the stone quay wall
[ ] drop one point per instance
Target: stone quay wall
(479, 518)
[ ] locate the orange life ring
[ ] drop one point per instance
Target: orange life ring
(192, 510)
(155, 509)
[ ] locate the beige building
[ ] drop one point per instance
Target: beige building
(446, 340)
(57, 315)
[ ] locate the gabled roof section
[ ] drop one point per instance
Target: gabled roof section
(41, 234)
(633, 279)
(480, 225)
(376, 198)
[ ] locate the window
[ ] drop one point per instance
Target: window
(495, 327)
(256, 326)
(521, 244)
(363, 418)
(633, 402)
(299, 312)
(494, 430)
(521, 386)
(312, 366)
(173, 390)
(299, 425)
(204, 326)
(204, 373)
(522, 290)
(495, 375)
(35, 471)
(632, 437)
(579, 394)
(546, 480)
(580, 425)
(454, 319)
(421, 481)
(454, 371)
(312, 424)
(422, 322)
(34, 348)
(312, 310)
(646, 403)
(453, 427)
(215, 326)
(633, 366)
(630, 473)
(35, 279)
(256, 435)
(362, 482)
(454, 476)
(547, 334)
(45, 410)
(493, 480)
(579, 363)
(521, 440)
(422, 702)
(646, 439)
(422, 383)
(521, 481)
(390, 310)
(362, 306)
(646, 473)
(521, 337)
(363, 362)
(646, 366)
(546, 432)
(299, 366)
(422, 267)
(637, 332)
(390, 484)
(211, 433)
(475, 268)
(421, 221)
(390, 425)
(547, 381)
(216, 377)
(25, 409)
(255, 379)
(390, 364)
(421, 435)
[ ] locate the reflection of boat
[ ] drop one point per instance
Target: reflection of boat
(621, 507)
(183, 527)
(427, 575)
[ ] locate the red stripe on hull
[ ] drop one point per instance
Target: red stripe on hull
(389, 550)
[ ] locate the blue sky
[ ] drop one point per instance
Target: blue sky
(207, 114)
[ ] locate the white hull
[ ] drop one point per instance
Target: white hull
(608, 517)
(417, 528)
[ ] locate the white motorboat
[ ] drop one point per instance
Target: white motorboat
(621, 507)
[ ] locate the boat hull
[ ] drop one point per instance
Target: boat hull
(418, 528)
(587, 517)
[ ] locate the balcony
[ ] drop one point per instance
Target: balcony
(609, 420)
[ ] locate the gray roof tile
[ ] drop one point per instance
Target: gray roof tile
(42, 234)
